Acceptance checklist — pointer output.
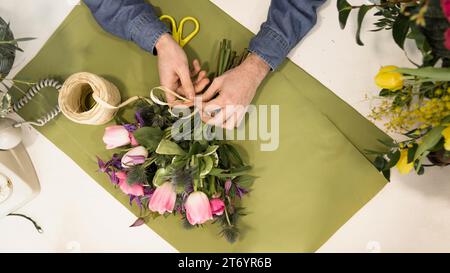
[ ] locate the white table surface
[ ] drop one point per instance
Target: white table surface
(410, 214)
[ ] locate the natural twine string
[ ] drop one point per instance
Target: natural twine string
(107, 99)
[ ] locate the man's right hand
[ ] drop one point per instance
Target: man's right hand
(174, 70)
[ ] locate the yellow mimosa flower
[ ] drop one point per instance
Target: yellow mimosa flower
(446, 134)
(402, 165)
(388, 79)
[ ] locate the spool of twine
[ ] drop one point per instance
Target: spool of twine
(74, 97)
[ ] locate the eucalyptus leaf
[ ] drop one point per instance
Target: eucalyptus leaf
(387, 174)
(412, 152)
(344, 9)
(393, 156)
(380, 163)
(361, 14)
(400, 30)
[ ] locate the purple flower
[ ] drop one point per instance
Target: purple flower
(228, 184)
(136, 199)
(101, 165)
(130, 127)
(113, 177)
(139, 119)
(240, 191)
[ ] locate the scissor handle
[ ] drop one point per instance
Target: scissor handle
(173, 23)
(185, 40)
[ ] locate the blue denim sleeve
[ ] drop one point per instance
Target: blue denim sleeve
(287, 23)
(133, 20)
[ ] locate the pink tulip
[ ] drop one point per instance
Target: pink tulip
(198, 209)
(135, 156)
(135, 189)
(447, 39)
(133, 140)
(116, 136)
(445, 4)
(163, 199)
(217, 206)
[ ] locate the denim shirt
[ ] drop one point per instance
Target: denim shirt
(135, 20)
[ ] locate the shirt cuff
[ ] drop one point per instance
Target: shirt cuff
(146, 29)
(271, 46)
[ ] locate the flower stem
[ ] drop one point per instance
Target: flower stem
(227, 217)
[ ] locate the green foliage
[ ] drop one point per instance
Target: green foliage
(429, 141)
(361, 14)
(344, 9)
(427, 73)
(400, 29)
(160, 176)
(167, 147)
(8, 48)
(149, 137)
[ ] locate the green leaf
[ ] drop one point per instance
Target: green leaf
(210, 150)
(149, 137)
(388, 143)
(400, 29)
(393, 156)
(216, 171)
(419, 38)
(246, 181)
(25, 39)
(160, 176)
(429, 141)
(361, 14)
(167, 147)
(233, 155)
(344, 9)
(431, 73)
(387, 174)
(231, 173)
(206, 166)
(412, 152)
(380, 163)
(385, 93)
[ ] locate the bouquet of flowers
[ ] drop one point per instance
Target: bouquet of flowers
(414, 102)
(199, 180)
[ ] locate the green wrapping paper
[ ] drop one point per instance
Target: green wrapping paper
(316, 180)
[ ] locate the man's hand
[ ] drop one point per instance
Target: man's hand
(174, 71)
(236, 89)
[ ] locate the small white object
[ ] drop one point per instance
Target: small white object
(5, 188)
(373, 247)
(10, 136)
(73, 247)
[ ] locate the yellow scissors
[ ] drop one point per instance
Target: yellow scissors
(177, 31)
